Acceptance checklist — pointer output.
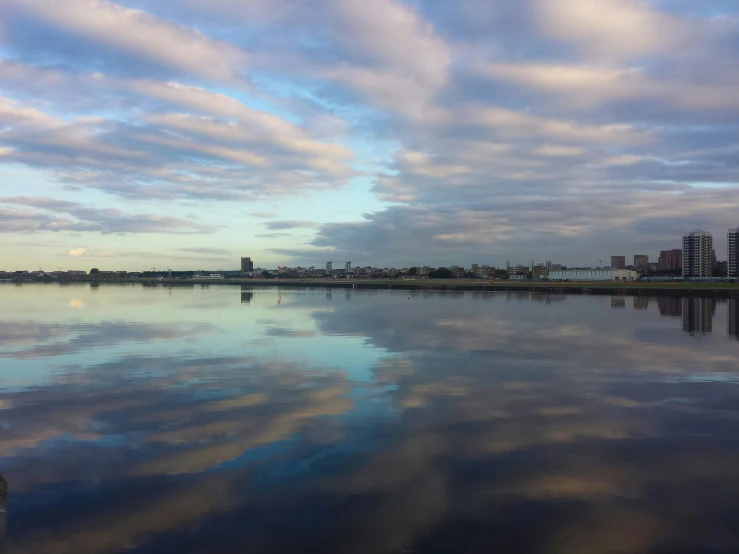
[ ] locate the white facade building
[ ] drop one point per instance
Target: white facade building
(698, 254)
(602, 275)
(732, 253)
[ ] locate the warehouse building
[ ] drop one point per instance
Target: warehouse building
(588, 274)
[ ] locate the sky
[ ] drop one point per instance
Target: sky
(187, 133)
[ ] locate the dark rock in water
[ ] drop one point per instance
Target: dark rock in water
(3, 491)
(3, 515)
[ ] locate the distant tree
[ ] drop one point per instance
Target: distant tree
(442, 273)
(469, 274)
(413, 271)
(266, 274)
(94, 271)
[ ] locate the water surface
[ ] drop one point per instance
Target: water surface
(223, 419)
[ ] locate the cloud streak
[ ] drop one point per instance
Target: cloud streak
(71, 216)
(294, 224)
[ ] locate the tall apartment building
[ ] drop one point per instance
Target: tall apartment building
(618, 262)
(698, 254)
(348, 267)
(641, 262)
(329, 267)
(732, 253)
(247, 266)
(540, 271)
(670, 260)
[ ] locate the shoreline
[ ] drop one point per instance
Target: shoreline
(727, 290)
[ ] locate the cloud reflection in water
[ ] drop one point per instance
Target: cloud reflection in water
(490, 423)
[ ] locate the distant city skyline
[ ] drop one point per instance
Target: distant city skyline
(667, 260)
(227, 260)
(142, 133)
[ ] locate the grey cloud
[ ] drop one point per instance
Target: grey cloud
(24, 221)
(220, 150)
(520, 228)
(295, 224)
(76, 217)
(134, 32)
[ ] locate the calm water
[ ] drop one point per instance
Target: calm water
(220, 420)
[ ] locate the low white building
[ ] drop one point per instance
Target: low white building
(587, 274)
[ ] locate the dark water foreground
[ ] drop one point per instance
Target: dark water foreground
(222, 420)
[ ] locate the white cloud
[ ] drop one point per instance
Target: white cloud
(588, 87)
(121, 157)
(609, 28)
(553, 150)
(512, 124)
(50, 214)
(140, 34)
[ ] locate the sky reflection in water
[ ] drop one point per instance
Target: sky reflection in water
(224, 420)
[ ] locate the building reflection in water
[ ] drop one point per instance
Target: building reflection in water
(618, 302)
(670, 306)
(246, 294)
(517, 296)
(548, 298)
(698, 315)
(732, 325)
(641, 302)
